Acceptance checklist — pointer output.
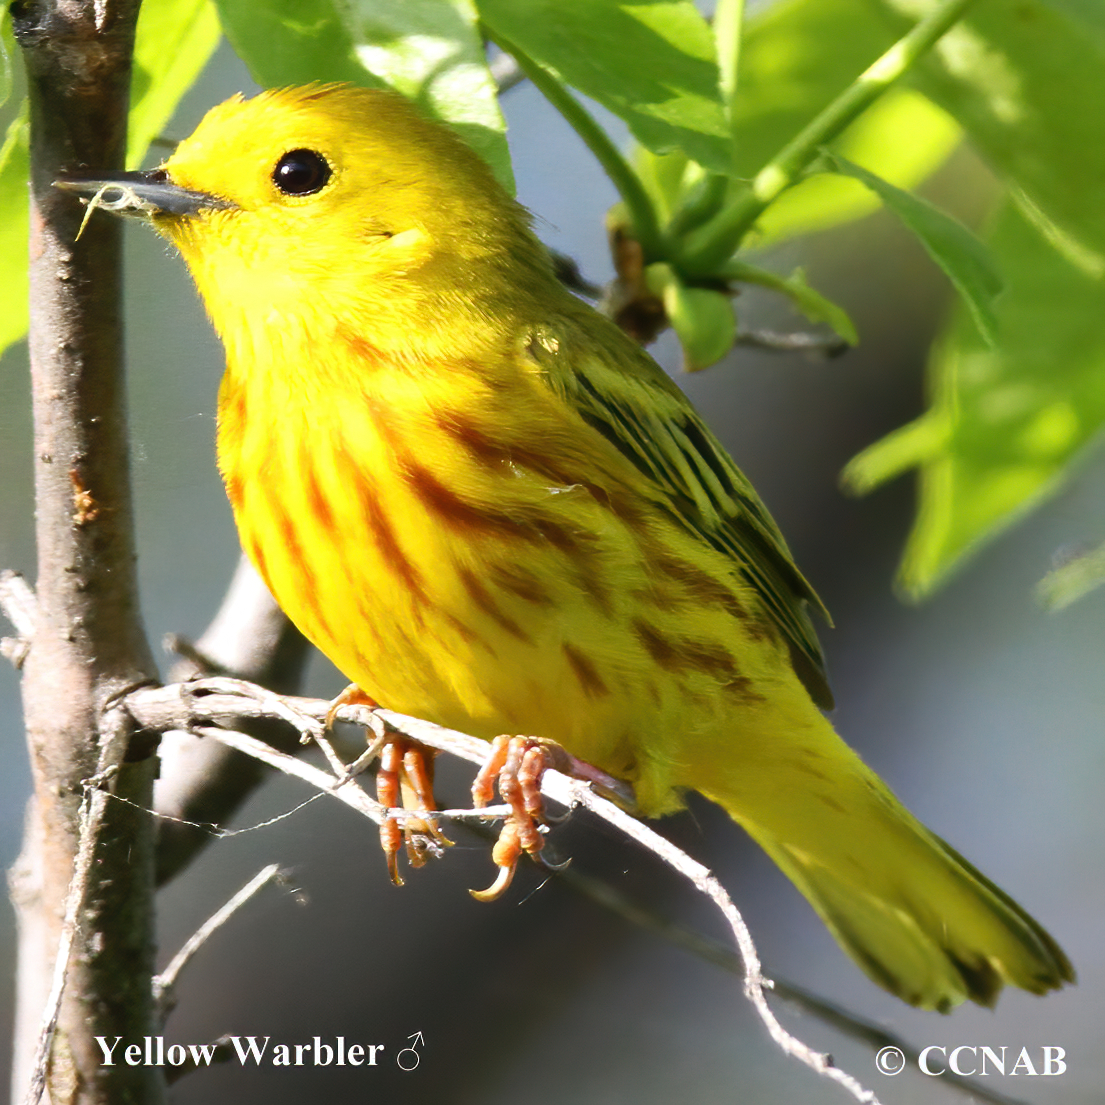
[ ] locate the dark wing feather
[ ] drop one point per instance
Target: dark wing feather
(621, 392)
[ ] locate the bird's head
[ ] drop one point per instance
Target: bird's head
(327, 192)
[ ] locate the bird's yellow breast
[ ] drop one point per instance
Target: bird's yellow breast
(463, 577)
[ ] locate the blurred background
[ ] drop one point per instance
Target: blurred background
(980, 710)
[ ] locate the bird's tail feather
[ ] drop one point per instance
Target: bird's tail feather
(911, 911)
(956, 936)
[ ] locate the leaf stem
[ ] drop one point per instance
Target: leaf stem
(717, 240)
(728, 34)
(646, 228)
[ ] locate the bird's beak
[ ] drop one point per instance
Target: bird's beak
(149, 193)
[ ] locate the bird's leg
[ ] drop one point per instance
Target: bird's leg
(387, 794)
(405, 780)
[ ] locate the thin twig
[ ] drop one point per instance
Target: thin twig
(795, 341)
(151, 705)
(755, 984)
(336, 784)
(91, 816)
(164, 984)
(17, 601)
(505, 72)
(347, 792)
(337, 765)
(366, 757)
(721, 955)
(566, 791)
(310, 727)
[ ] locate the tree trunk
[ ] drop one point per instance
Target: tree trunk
(88, 645)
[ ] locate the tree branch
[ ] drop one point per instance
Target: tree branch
(202, 781)
(164, 985)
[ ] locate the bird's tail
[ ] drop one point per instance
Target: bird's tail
(908, 908)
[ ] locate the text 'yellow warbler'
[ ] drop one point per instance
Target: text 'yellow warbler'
(491, 509)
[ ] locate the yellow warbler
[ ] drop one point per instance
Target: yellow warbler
(491, 509)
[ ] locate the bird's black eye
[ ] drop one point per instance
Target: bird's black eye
(301, 173)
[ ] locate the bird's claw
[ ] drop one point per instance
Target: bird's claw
(351, 696)
(516, 765)
(405, 780)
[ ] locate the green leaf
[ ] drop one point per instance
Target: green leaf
(1006, 424)
(427, 49)
(969, 265)
(431, 51)
(702, 318)
(903, 137)
(287, 42)
(652, 64)
(14, 171)
(808, 300)
(7, 54)
(1024, 78)
(728, 40)
(175, 39)
(902, 449)
(174, 42)
(666, 177)
(788, 75)
(1066, 584)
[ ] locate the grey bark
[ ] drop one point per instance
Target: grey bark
(88, 646)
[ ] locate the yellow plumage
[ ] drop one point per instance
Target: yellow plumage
(489, 508)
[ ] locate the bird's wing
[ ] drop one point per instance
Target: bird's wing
(621, 392)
